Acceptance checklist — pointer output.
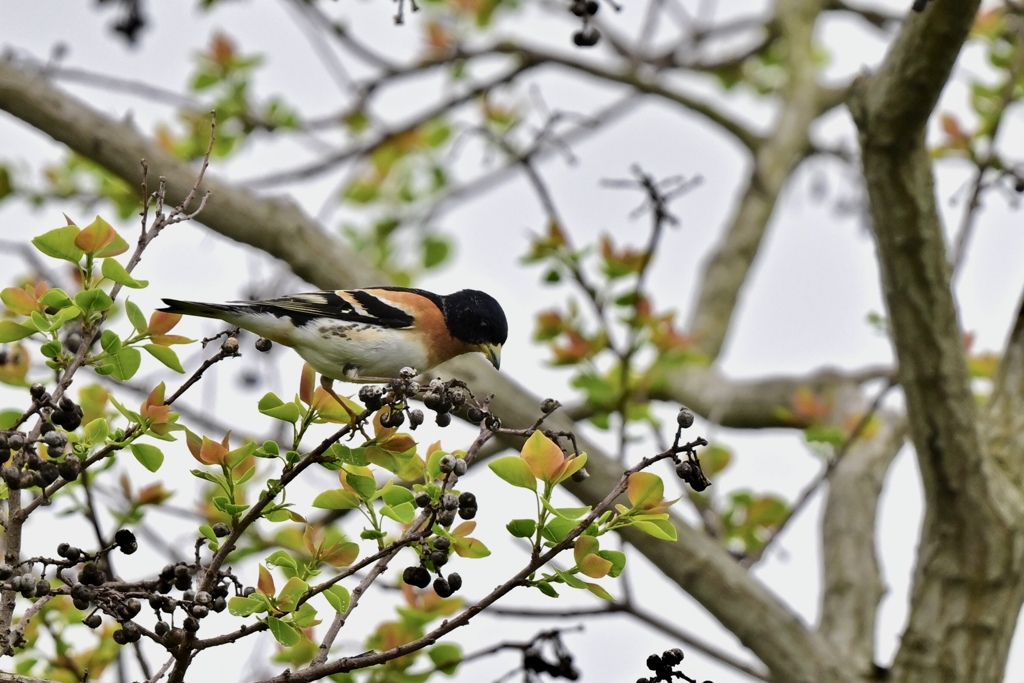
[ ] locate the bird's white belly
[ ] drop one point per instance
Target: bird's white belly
(340, 350)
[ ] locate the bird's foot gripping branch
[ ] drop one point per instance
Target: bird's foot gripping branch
(264, 558)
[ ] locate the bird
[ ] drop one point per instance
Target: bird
(368, 335)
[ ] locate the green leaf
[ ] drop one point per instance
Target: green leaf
(446, 657)
(121, 366)
(165, 355)
(243, 607)
(284, 559)
(110, 342)
(339, 598)
(515, 471)
(522, 528)
(135, 316)
(283, 632)
(150, 456)
(618, 560)
(337, 499)
(289, 596)
(11, 331)
(365, 487)
(645, 489)
(225, 505)
(600, 592)
(435, 251)
(55, 298)
(65, 314)
(403, 513)
(659, 528)
(113, 270)
(272, 406)
(395, 495)
(9, 417)
(60, 244)
(547, 589)
(95, 431)
(93, 300)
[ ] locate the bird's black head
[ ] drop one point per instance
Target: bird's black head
(477, 319)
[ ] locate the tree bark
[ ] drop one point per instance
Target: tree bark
(967, 593)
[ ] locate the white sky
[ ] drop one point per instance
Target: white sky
(804, 307)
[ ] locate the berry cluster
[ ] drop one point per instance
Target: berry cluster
(689, 470)
(664, 665)
(559, 665)
(23, 466)
(587, 35)
(440, 397)
(434, 554)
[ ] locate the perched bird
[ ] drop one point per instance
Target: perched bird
(369, 334)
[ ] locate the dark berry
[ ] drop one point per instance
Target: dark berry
(132, 607)
(203, 598)
(69, 468)
(549, 405)
(439, 558)
(91, 575)
(42, 587)
(125, 541)
(493, 423)
(120, 638)
(434, 401)
(422, 499)
(592, 7)
(467, 499)
(48, 473)
(442, 543)
(219, 604)
(66, 404)
(11, 476)
(672, 657)
(475, 415)
(684, 418)
(80, 604)
(181, 572)
(454, 581)
(132, 632)
(457, 396)
(262, 345)
(654, 662)
(161, 628)
(587, 37)
(449, 501)
(468, 511)
(190, 624)
(183, 584)
(176, 636)
(460, 467)
(200, 611)
(37, 391)
(442, 588)
(371, 396)
(94, 620)
(446, 517)
(220, 530)
(416, 576)
(1018, 186)
(55, 440)
(16, 441)
(5, 571)
(446, 464)
(415, 418)
(443, 419)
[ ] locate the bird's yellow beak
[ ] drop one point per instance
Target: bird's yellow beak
(493, 353)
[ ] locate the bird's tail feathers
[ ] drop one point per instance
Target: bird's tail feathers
(196, 308)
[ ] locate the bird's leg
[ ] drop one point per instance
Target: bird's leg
(328, 384)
